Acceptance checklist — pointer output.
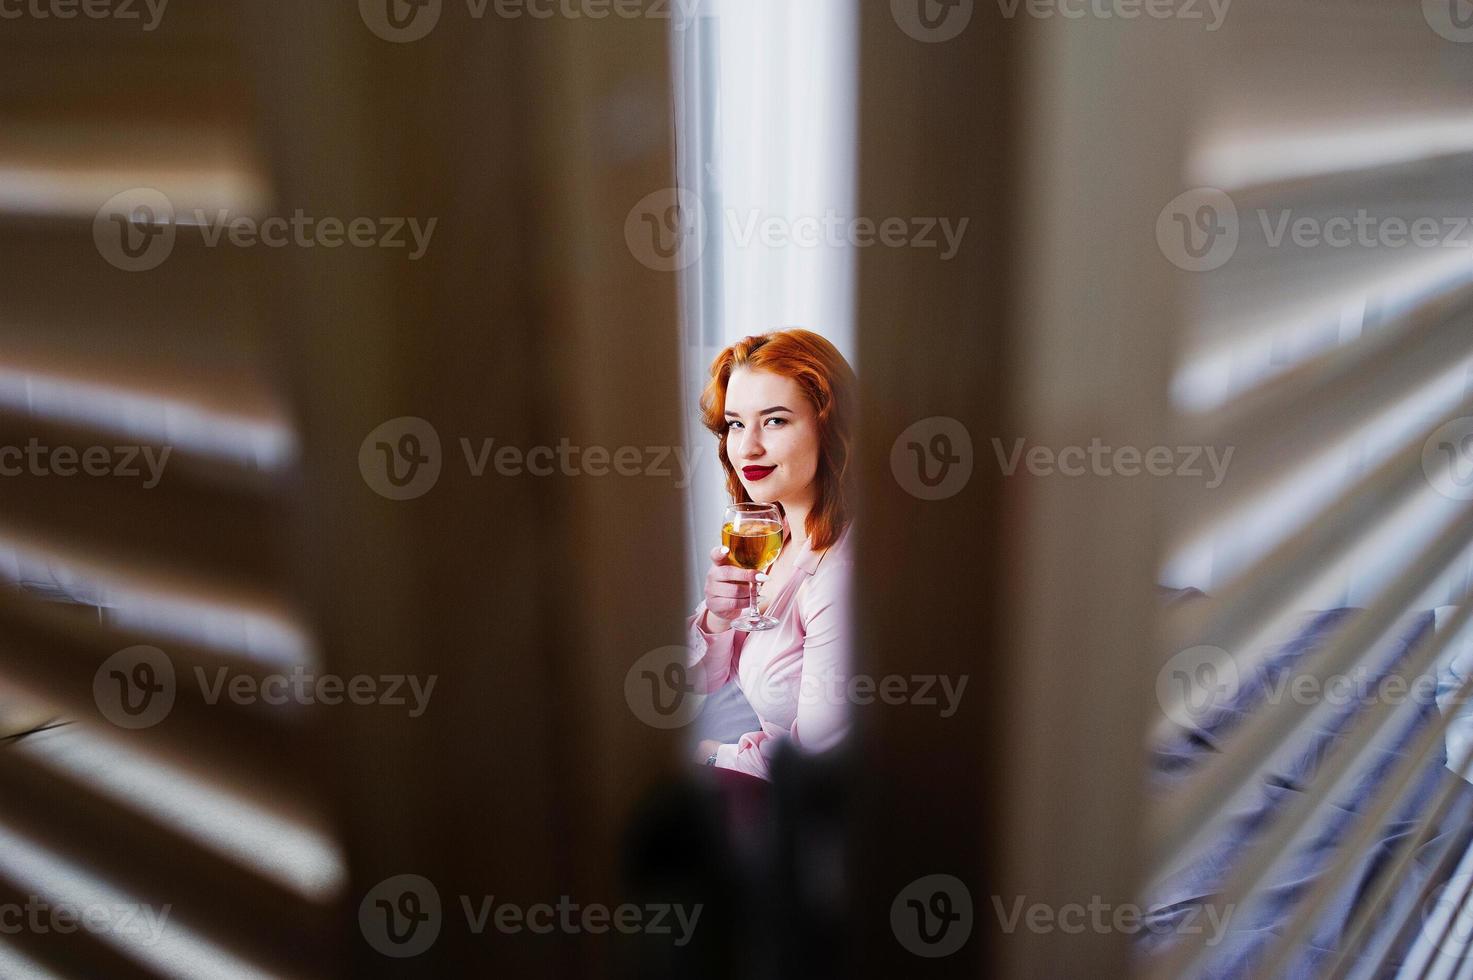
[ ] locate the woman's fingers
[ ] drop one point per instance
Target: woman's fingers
(728, 590)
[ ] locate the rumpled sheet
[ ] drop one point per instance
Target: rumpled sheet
(1251, 930)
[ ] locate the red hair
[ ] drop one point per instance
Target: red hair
(830, 385)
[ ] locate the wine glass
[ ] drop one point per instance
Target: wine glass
(753, 535)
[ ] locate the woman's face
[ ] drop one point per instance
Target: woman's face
(772, 435)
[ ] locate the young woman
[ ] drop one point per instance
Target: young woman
(781, 406)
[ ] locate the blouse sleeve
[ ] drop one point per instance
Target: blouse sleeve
(712, 656)
(823, 710)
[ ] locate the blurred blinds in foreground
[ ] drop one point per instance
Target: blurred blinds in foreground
(208, 816)
(1332, 354)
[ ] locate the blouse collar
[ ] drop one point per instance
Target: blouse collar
(808, 559)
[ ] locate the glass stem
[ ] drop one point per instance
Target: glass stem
(752, 612)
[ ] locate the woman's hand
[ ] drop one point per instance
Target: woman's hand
(728, 590)
(706, 749)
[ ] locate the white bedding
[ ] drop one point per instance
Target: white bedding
(1460, 666)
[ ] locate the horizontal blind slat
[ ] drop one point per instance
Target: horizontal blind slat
(193, 321)
(1277, 580)
(79, 953)
(56, 657)
(1298, 416)
(209, 892)
(1403, 859)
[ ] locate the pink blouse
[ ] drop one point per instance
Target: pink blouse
(795, 675)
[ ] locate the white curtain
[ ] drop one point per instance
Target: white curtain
(766, 126)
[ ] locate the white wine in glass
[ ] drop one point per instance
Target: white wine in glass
(753, 536)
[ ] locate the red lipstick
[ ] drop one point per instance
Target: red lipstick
(755, 473)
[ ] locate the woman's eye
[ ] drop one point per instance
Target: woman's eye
(773, 422)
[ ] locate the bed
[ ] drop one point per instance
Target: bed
(1251, 930)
